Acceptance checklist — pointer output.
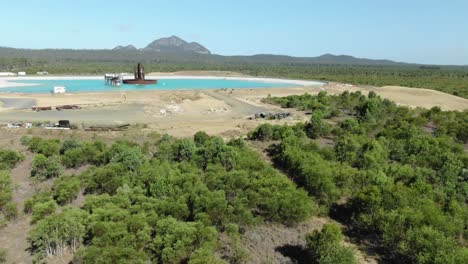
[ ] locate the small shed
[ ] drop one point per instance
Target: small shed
(60, 89)
(63, 123)
(4, 74)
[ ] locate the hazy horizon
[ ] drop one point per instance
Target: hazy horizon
(425, 32)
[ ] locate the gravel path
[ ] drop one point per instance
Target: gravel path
(17, 103)
(131, 113)
(239, 106)
(13, 237)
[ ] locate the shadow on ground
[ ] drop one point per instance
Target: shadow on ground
(298, 254)
(366, 242)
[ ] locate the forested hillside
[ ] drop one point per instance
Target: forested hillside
(394, 176)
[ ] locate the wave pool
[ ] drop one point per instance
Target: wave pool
(99, 85)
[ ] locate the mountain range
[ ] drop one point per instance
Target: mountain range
(176, 50)
(170, 44)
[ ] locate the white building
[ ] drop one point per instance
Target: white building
(4, 74)
(21, 73)
(60, 89)
(42, 73)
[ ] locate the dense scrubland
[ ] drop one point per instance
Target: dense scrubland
(395, 179)
(392, 175)
(167, 201)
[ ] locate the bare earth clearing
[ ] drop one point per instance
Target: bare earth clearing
(13, 238)
(275, 243)
(182, 113)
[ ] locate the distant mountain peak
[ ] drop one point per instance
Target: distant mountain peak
(128, 47)
(169, 44)
(176, 44)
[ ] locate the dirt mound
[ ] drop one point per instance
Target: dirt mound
(416, 97)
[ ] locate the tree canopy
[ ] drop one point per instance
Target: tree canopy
(165, 206)
(391, 171)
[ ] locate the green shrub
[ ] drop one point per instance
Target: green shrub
(58, 233)
(25, 140)
(6, 188)
(105, 179)
(41, 197)
(65, 189)
(69, 144)
(177, 241)
(85, 153)
(41, 210)
(10, 211)
(10, 158)
(200, 138)
(317, 127)
(45, 168)
(129, 155)
(74, 158)
(184, 149)
(3, 256)
(47, 147)
(326, 246)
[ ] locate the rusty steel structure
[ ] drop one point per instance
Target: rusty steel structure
(139, 77)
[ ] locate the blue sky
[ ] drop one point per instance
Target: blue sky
(422, 31)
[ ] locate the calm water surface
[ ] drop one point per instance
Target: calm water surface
(79, 86)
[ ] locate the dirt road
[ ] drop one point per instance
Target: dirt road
(19, 103)
(182, 113)
(238, 106)
(14, 242)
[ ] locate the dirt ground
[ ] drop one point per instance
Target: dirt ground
(183, 113)
(425, 98)
(180, 113)
(13, 238)
(274, 243)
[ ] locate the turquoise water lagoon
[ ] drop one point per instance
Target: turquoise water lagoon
(82, 86)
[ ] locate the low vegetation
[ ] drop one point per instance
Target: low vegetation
(386, 171)
(8, 160)
(393, 177)
(167, 203)
(327, 246)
